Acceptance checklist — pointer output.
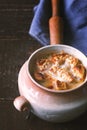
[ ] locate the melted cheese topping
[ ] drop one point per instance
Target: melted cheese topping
(59, 71)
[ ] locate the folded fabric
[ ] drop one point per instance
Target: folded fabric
(74, 17)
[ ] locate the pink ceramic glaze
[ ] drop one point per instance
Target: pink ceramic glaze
(50, 105)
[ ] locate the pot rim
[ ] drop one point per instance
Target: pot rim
(47, 89)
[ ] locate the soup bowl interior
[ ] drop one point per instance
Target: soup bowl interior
(43, 51)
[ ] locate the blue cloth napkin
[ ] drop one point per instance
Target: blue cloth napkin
(74, 14)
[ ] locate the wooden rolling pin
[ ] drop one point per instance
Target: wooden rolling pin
(56, 24)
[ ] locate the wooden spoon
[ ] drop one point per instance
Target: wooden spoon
(56, 24)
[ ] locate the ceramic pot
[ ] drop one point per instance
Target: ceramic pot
(51, 105)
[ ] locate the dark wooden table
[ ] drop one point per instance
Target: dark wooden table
(15, 47)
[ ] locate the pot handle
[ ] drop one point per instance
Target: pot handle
(56, 24)
(21, 103)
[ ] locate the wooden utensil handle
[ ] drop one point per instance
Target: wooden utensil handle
(55, 7)
(56, 24)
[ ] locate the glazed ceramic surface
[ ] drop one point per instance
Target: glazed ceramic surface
(51, 105)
